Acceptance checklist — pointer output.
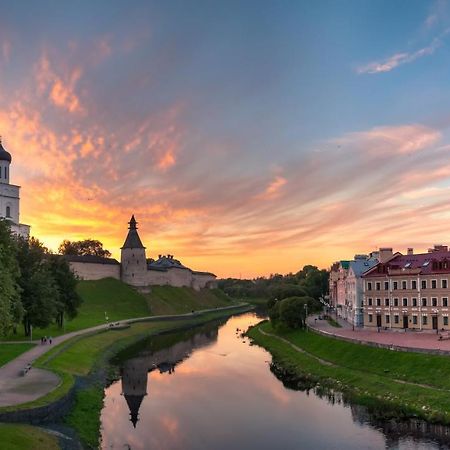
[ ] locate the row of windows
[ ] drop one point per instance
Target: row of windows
(404, 285)
(406, 302)
(415, 320)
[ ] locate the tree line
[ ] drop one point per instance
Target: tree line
(37, 287)
(289, 297)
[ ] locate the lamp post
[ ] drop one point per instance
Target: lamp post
(306, 316)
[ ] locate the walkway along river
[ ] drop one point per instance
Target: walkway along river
(208, 388)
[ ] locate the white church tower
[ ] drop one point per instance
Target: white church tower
(9, 196)
(133, 260)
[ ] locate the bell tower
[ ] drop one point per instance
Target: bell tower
(133, 260)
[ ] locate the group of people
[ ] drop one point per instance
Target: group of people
(45, 340)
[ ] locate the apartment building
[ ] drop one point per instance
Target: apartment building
(409, 291)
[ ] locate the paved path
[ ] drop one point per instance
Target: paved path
(16, 388)
(414, 340)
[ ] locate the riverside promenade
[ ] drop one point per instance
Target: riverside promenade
(409, 340)
(16, 388)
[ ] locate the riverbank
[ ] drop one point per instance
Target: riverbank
(82, 365)
(391, 384)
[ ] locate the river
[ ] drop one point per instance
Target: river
(208, 388)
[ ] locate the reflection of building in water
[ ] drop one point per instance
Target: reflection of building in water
(135, 370)
(396, 431)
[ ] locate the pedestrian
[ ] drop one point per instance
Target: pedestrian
(45, 339)
(50, 340)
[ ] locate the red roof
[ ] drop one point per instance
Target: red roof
(422, 263)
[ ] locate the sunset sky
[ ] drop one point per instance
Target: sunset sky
(248, 137)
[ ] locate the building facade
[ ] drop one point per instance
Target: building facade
(409, 291)
(9, 196)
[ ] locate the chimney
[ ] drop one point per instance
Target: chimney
(385, 254)
(410, 251)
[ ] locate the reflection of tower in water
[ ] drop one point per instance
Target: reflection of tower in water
(135, 370)
(134, 386)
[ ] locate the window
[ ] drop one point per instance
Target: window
(370, 318)
(404, 285)
(369, 285)
(377, 285)
(424, 302)
(386, 285)
(434, 301)
(8, 211)
(405, 302)
(433, 284)
(388, 318)
(6, 172)
(414, 301)
(445, 320)
(395, 285)
(370, 302)
(386, 302)
(424, 320)
(395, 301)
(378, 301)
(396, 318)
(415, 320)
(445, 302)
(424, 284)
(444, 284)
(414, 284)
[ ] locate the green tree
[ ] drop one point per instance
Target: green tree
(10, 305)
(39, 291)
(293, 312)
(84, 247)
(68, 300)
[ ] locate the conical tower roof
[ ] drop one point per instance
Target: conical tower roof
(133, 240)
(134, 403)
(4, 155)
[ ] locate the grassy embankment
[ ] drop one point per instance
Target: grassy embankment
(21, 437)
(11, 351)
(403, 384)
(120, 301)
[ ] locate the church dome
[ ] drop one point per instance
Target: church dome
(4, 155)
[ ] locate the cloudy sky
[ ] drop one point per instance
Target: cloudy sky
(248, 137)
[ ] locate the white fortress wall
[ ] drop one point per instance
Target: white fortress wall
(97, 271)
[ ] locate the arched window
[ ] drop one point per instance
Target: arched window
(8, 211)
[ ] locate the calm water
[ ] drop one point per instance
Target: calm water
(212, 390)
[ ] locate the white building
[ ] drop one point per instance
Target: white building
(9, 197)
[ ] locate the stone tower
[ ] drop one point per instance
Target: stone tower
(133, 260)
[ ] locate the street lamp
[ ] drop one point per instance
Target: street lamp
(306, 316)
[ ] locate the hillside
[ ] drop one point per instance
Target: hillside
(116, 300)
(173, 300)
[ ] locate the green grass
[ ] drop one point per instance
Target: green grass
(117, 299)
(175, 300)
(24, 437)
(10, 351)
(370, 376)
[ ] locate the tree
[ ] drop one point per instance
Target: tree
(68, 299)
(84, 247)
(10, 306)
(39, 291)
(293, 312)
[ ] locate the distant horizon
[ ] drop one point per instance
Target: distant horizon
(247, 138)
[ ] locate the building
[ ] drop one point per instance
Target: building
(354, 288)
(136, 270)
(9, 196)
(338, 273)
(409, 291)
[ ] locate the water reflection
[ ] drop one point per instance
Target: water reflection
(209, 389)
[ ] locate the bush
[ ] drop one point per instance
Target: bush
(292, 312)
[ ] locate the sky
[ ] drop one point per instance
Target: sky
(247, 137)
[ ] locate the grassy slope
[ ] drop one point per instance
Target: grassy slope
(11, 351)
(367, 374)
(21, 437)
(117, 299)
(171, 300)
